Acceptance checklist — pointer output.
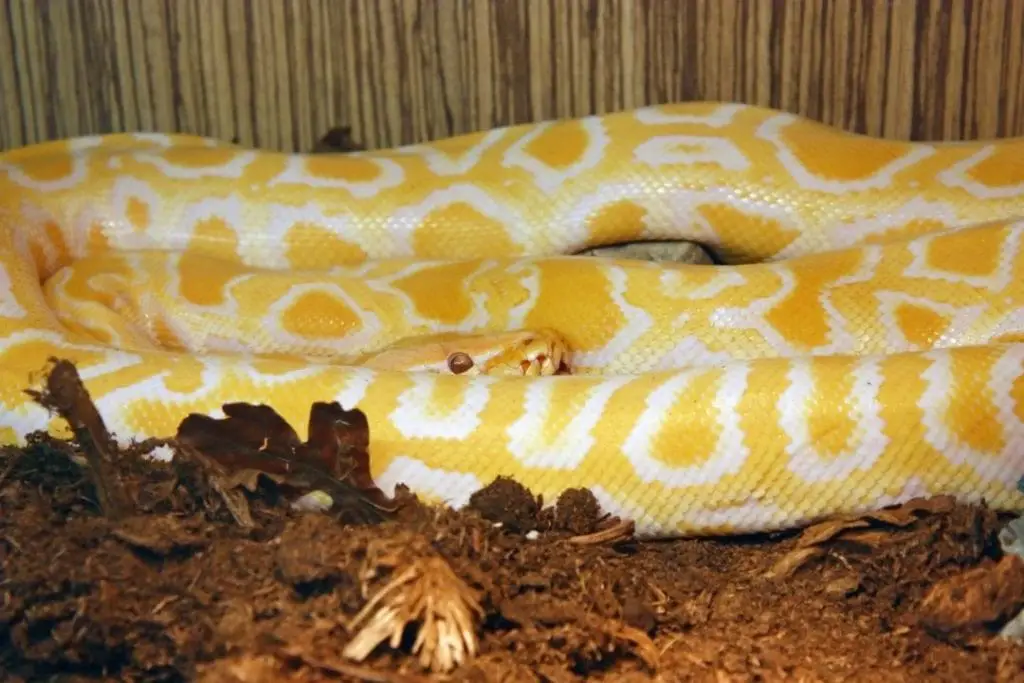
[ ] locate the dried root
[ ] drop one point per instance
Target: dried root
(426, 592)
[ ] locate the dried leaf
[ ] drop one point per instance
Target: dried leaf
(793, 561)
(255, 440)
(828, 530)
(906, 514)
(902, 516)
(870, 538)
(985, 596)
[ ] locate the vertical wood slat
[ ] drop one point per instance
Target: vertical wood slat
(278, 73)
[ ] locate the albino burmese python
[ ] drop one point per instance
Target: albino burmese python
(863, 346)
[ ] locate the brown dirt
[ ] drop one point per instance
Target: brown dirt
(214, 577)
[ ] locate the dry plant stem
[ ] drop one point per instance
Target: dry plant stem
(619, 531)
(65, 394)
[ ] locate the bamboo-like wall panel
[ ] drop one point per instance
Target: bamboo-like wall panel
(279, 73)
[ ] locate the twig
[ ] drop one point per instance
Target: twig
(65, 393)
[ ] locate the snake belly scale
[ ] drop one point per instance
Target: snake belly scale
(861, 345)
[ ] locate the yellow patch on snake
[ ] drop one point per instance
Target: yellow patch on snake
(829, 425)
(493, 232)
(200, 284)
(703, 425)
(818, 147)
(137, 212)
(1017, 395)
(1003, 167)
(96, 241)
(975, 422)
(920, 325)
(56, 167)
(620, 221)
(349, 168)
(318, 314)
(561, 145)
(765, 235)
(422, 286)
(555, 308)
(800, 317)
(34, 353)
(966, 252)
(331, 249)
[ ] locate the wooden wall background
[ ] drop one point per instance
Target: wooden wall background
(279, 73)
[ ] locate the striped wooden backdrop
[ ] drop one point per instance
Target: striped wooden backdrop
(279, 73)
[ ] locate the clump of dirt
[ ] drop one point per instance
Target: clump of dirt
(207, 567)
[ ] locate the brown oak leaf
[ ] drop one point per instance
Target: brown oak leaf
(254, 440)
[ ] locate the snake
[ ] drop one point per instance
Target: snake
(858, 341)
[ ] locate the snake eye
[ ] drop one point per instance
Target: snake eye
(460, 362)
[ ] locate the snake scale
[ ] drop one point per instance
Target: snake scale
(860, 343)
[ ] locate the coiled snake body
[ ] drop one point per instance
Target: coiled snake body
(862, 346)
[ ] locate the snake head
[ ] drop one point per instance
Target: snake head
(523, 353)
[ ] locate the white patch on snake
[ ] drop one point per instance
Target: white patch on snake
(453, 488)
(295, 173)
(854, 232)
(770, 131)
(956, 176)
(676, 282)
(867, 442)
(1002, 277)
(661, 404)
(675, 515)
(1004, 466)
(233, 169)
(914, 487)
(688, 150)
(545, 177)
(439, 155)
(690, 351)
(10, 307)
(752, 316)
(414, 418)
(357, 383)
(529, 279)
(32, 221)
(574, 441)
(677, 113)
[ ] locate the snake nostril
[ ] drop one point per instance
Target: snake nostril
(460, 362)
